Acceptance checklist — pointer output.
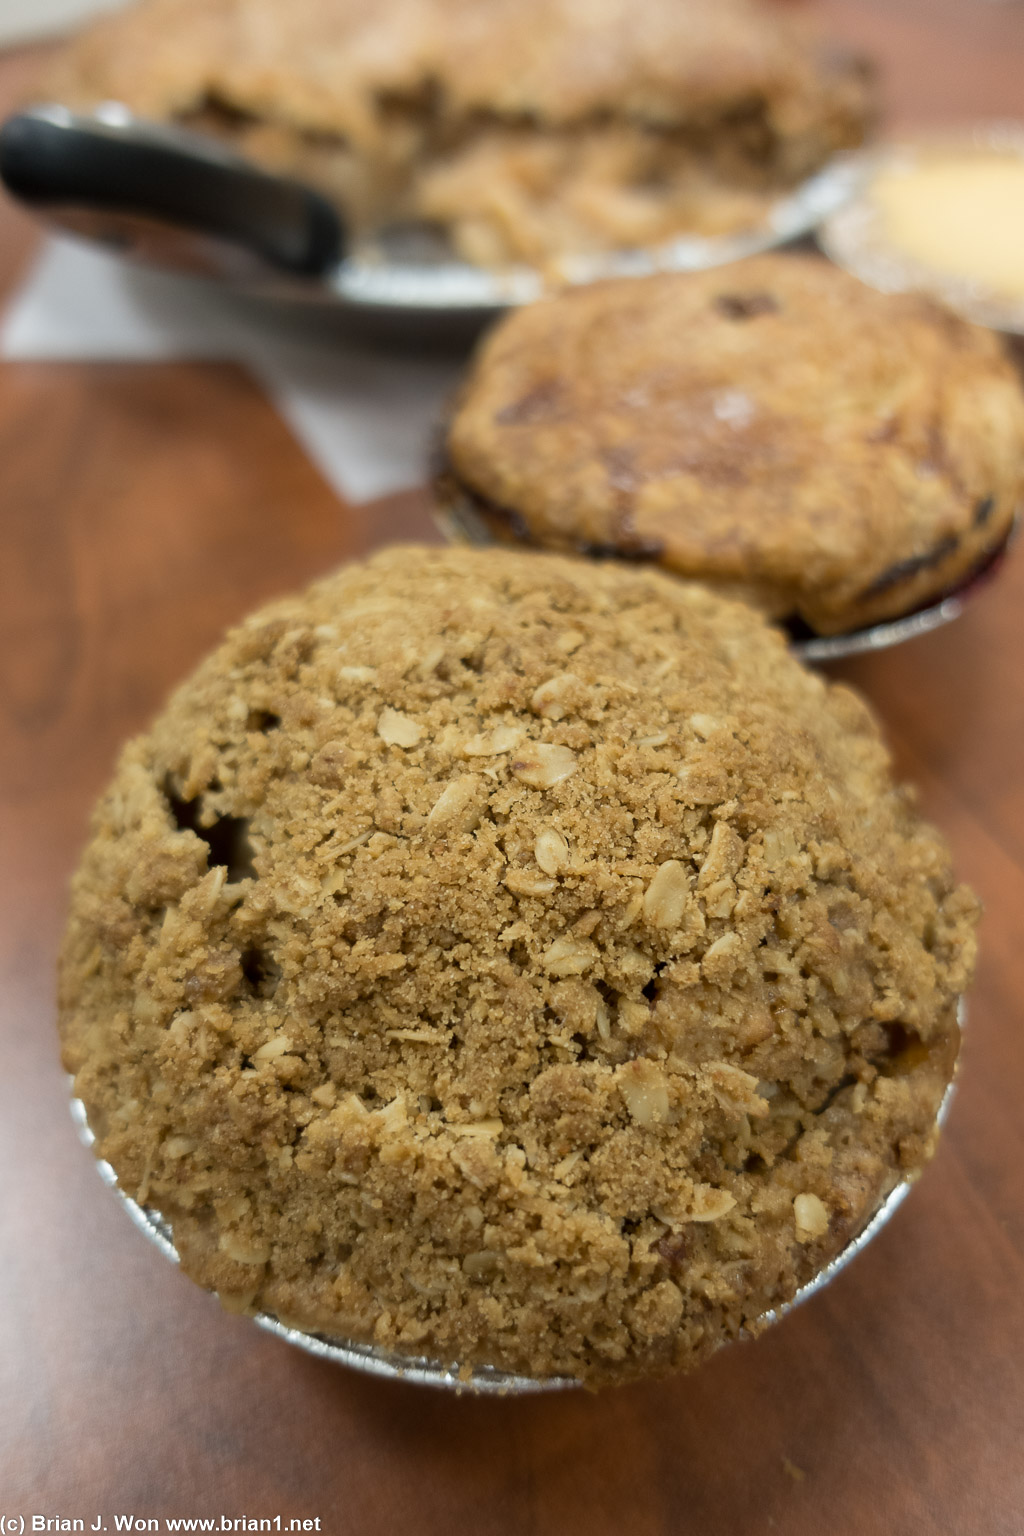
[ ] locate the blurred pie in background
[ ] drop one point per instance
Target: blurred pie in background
(523, 128)
(942, 213)
(839, 457)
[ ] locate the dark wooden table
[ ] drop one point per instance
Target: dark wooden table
(141, 509)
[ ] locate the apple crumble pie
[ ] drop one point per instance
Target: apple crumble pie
(511, 960)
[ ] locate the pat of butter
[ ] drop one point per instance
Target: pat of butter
(961, 213)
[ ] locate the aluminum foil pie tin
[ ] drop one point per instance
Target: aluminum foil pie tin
(481, 1380)
(368, 1358)
(890, 632)
(855, 235)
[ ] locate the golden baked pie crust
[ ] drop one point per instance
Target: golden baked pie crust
(774, 427)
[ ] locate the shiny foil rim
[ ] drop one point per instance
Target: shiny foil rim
(378, 275)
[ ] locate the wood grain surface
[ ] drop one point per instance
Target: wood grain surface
(142, 508)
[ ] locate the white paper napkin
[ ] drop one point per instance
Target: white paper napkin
(366, 417)
(21, 20)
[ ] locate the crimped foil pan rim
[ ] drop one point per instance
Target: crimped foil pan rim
(483, 1381)
(370, 277)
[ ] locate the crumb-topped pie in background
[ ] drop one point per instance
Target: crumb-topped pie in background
(776, 428)
(514, 961)
(526, 129)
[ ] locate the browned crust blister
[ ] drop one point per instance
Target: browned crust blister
(512, 960)
(526, 128)
(774, 427)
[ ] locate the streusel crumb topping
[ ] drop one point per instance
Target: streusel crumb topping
(510, 960)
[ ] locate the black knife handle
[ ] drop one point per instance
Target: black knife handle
(60, 163)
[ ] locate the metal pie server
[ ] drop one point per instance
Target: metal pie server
(181, 199)
(169, 196)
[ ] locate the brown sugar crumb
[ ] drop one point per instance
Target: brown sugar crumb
(508, 960)
(650, 420)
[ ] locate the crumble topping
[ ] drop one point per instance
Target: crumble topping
(511, 960)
